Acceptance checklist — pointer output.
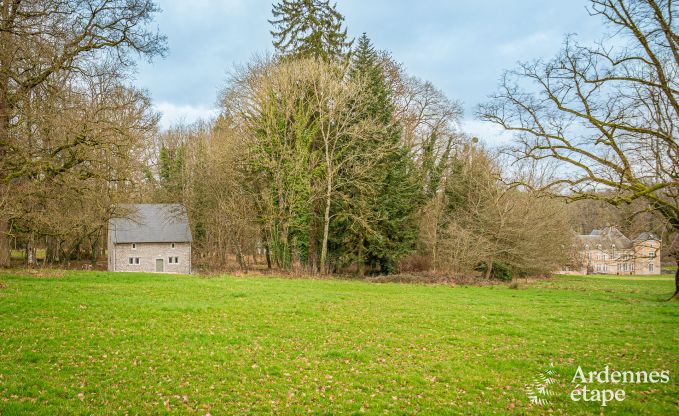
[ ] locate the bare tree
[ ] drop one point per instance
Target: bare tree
(607, 113)
(48, 44)
(66, 198)
(486, 222)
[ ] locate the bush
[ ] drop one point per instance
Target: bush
(500, 270)
(415, 263)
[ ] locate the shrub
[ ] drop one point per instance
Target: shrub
(500, 270)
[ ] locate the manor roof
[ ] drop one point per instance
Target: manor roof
(607, 238)
(647, 236)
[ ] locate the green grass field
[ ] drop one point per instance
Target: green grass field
(104, 343)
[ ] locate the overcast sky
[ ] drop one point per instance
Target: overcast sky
(460, 46)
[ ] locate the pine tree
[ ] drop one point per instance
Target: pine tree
(171, 162)
(309, 28)
(385, 230)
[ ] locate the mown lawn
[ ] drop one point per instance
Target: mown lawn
(104, 343)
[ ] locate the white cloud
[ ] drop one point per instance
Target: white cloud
(172, 114)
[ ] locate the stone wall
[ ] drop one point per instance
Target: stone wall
(643, 258)
(647, 256)
(147, 254)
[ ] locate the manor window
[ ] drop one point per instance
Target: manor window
(650, 267)
(134, 246)
(172, 245)
(651, 254)
(133, 260)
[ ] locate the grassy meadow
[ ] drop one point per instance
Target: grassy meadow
(112, 343)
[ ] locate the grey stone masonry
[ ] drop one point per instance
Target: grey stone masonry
(149, 255)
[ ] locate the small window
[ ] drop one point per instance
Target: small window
(172, 245)
(169, 259)
(176, 260)
(650, 267)
(134, 246)
(131, 260)
(136, 260)
(651, 254)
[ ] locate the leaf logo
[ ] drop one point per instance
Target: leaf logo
(539, 391)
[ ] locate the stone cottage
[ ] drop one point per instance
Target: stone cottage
(608, 251)
(150, 238)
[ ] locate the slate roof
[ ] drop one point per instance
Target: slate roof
(646, 237)
(605, 238)
(610, 236)
(151, 223)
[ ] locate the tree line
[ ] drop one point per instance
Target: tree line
(331, 158)
(327, 155)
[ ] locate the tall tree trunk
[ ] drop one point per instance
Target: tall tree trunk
(326, 228)
(267, 251)
(4, 242)
(4, 139)
(489, 269)
(239, 257)
(676, 282)
(30, 252)
(360, 262)
(267, 254)
(312, 255)
(94, 250)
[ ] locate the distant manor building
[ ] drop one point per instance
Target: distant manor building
(151, 238)
(608, 251)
